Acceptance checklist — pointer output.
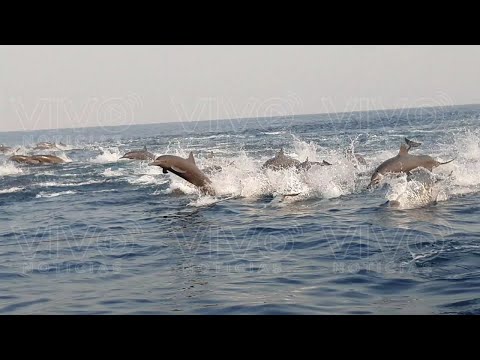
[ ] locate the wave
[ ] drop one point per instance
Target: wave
(11, 190)
(52, 195)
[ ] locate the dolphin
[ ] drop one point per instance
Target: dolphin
(45, 146)
(19, 158)
(5, 149)
(187, 170)
(404, 163)
(47, 159)
(37, 159)
(354, 157)
(280, 161)
(212, 169)
(306, 165)
(139, 155)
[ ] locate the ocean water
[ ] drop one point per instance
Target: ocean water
(100, 235)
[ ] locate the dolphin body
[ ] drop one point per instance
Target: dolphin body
(187, 170)
(404, 163)
(139, 155)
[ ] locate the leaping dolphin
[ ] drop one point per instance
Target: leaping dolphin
(186, 169)
(280, 161)
(404, 163)
(307, 164)
(139, 155)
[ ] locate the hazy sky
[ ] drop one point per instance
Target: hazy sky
(76, 86)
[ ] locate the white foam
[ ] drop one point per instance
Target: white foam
(107, 156)
(113, 173)
(55, 184)
(11, 190)
(52, 195)
(241, 176)
(144, 180)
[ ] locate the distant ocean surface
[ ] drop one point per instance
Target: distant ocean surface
(99, 235)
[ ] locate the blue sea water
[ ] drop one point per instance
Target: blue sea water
(100, 235)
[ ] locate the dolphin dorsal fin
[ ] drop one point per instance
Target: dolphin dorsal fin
(190, 157)
(403, 150)
(145, 148)
(280, 153)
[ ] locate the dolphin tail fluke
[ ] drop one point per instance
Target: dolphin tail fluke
(412, 144)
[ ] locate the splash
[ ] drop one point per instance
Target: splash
(112, 173)
(422, 189)
(107, 156)
(241, 175)
(8, 168)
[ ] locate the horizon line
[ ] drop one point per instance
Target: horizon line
(248, 118)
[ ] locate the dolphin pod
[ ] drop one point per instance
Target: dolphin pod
(282, 161)
(403, 162)
(187, 170)
(139, 155)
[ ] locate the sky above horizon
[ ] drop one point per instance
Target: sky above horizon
(47, 87)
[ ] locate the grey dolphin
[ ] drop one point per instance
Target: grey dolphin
(45, 146)
(139, 155)
(5, 149)
(354, 157)
(306, 165)
(186, 169)
(37, 159)
(19, 158)
(404, 163)
(47, 159)
(280, 161)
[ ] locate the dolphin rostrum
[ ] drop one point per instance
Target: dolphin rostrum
(139, 155)
(404, 163)
(187, 170)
